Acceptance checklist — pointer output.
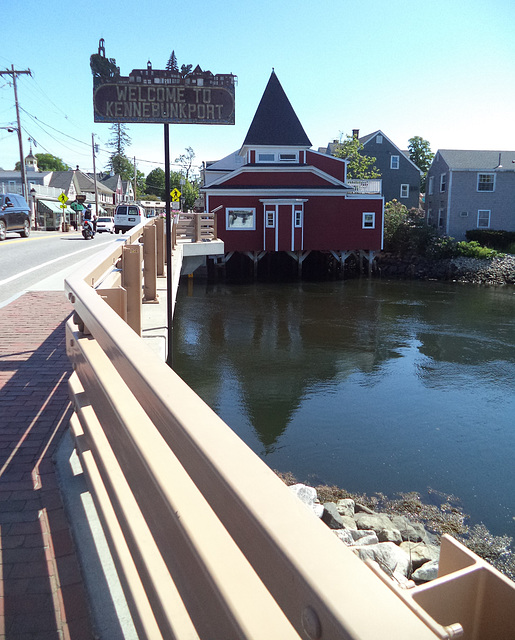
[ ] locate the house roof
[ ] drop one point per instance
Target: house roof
(463, 160)
(275, 122)
(370, 136)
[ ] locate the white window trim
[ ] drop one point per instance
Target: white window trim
(265, 153)
(443, 182)
(298, 222)
(406, 188)
(289, 153)
(485, 173)
(270, 224)
(397, 162)
(249, 210)
(430, 185)
(379, 139)
(364, 225)
(440, 218)
(480, 211)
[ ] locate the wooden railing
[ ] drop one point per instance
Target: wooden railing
(195, 227)
(207, 541)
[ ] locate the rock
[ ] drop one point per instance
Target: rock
(331, 516)
(420, 553)
(360, 508)
(346, 507)
(308, 496)
(376, 521)
(345, 536)
(427, 572)
(353, 537)
(349, 522)
(412, 531)
(389, 535)
(363, 537)
(388, 556)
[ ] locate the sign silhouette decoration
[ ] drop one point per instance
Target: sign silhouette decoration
(63, 199)
(176, 194)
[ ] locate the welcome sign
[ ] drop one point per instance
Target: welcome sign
(160, 95)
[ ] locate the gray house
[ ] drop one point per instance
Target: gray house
(471, 190)
(400, 176)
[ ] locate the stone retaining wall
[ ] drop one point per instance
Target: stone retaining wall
(497, 271)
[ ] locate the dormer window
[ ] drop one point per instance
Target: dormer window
(277, 156)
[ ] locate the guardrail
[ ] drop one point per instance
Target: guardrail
(208, 542)
(196, 227)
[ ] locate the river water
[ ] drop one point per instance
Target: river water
(374, 386)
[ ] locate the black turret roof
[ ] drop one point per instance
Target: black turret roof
(275, 122)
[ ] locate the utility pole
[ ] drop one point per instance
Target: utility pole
(135, 180)
(94, 173)
(13, 73)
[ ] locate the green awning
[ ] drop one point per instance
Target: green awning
(49, 206)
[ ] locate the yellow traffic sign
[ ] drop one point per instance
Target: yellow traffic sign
(176, 194)
(63, 198)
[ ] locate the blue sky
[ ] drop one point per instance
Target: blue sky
(440, 69)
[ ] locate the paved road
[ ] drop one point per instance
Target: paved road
(26, 262)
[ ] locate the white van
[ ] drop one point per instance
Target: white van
(127, 216)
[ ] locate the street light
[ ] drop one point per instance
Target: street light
(22, 159)
(33, 194)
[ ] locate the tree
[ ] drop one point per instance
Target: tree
(141, 186)
(420, 153)
(186, 69)
(122, 166)
(172, 65)
(360, 166)
(156, 183)
(186, 161)
(120, 139)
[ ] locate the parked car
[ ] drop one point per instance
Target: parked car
(105, 224)
(14, 215)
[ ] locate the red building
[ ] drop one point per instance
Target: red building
(276, 194)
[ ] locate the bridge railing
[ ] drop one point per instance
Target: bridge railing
(207, 540)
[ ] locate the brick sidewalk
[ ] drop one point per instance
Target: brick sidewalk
(41, 590)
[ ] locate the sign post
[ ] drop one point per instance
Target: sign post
(166, 96)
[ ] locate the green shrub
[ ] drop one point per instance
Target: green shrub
(474, 250)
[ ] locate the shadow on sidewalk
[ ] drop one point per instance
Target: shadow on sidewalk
(41, 585)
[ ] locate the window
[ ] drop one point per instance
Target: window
(404, 190)
(430, 185)
(394, 162)
(270, 218)
(429, 216)
(379, 139)
(485, 181)
(464, 214)
(443, 182)
(240, 219)
(369, 220)
(266, 157)
(440, 218)
(298, 218)
(287, 157)
(483, 219)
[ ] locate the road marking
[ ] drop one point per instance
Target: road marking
(45, 264)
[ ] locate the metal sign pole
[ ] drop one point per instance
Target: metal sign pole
(168, 226)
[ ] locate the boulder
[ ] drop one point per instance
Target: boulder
(308, 496)
(349, 523)
(411, 531)
(427, 572)
(331, 516)
(420, 553)
(388, 556)
(345, 536)
(389, 535)
(376, 521)
(346, 507)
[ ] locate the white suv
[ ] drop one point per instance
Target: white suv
(105, 224)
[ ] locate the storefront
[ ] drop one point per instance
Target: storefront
(52, 217)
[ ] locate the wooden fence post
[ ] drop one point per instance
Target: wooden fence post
(132, 281)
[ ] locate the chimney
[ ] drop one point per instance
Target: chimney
(355, 133)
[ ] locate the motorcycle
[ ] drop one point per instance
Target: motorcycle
(88, 231)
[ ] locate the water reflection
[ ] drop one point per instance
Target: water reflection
(390, 383)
